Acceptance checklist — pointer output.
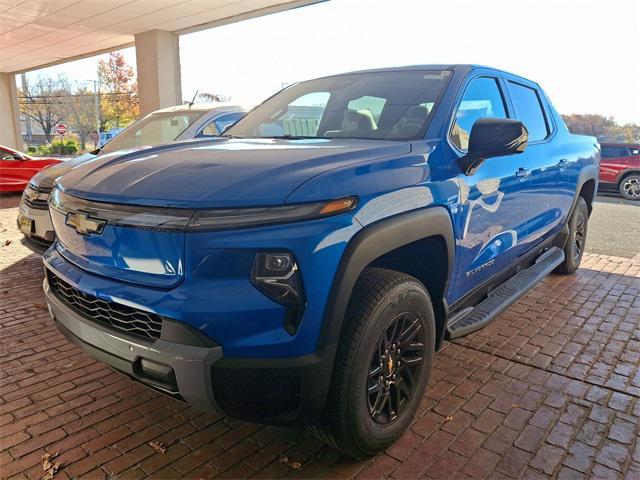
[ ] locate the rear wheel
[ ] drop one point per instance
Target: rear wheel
(382, 364)
(574, 247)
(630, 186)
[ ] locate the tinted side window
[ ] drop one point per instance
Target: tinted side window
(481, 99)
(529, 110)
(611, 152)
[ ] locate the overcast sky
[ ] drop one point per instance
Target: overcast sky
(584, 53)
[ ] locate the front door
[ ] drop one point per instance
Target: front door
(492, 220)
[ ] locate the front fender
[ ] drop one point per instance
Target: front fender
(371, 243)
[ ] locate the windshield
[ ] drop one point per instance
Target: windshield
(393, 105)
(153, 129)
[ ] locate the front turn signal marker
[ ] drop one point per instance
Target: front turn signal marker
(339, 206)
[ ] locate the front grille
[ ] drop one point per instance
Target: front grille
(36, 204)
(109, 314)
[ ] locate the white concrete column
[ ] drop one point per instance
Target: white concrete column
(10, 134)
(158, 66)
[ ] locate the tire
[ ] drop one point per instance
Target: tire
(629, 187)
(384, 303)
(574, 247)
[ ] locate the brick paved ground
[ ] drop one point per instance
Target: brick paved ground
(552, 388)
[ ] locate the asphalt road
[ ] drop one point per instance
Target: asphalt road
(614, 227)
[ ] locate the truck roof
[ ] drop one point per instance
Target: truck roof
(461, 67)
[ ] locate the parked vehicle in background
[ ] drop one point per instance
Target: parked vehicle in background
(620, 169)
(305, 269)
(169, 124)
(104, 137)
(16, 168)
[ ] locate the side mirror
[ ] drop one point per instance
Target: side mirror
(493, 137)
(18, 156)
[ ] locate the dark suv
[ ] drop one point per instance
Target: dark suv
(304, 269)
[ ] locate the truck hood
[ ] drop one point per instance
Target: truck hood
(220, 172)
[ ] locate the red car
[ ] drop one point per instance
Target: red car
(620, 169)
(17, 168)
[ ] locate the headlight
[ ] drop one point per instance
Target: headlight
(181, 219)
(224, 219)
(276, 275)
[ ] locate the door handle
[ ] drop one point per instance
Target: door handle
(522, 173)
(562, 165)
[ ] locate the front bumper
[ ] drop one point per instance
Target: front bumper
(179, 370)
(41, 228)
(285, 391)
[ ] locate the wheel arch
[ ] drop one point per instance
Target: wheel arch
(586, 187)
(625, 173)
(386, 244)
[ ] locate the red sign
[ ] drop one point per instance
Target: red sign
(61, 129)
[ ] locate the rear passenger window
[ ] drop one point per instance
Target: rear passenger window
(611, 152)
(481, 99)
(529, 110)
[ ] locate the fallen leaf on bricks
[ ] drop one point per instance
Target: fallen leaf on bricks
(448, 418)
(292, 464)
(50, 469)
(41, 306)
(158, 447)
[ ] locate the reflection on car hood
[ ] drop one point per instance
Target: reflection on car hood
(219, 173)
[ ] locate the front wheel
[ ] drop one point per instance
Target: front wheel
(574, 247)
(382, 364)
(630, 187)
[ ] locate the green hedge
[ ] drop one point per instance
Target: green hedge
(70, 147)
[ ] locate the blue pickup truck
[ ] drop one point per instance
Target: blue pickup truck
(304, 269)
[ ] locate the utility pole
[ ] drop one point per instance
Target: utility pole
(27, 120)
(97, 104)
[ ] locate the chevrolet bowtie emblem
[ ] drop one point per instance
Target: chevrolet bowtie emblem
(84, 223)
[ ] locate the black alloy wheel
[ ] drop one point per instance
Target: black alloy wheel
(382, 363)
(579, 235)
(395, 366)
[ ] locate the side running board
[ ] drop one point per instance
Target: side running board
(499, 299)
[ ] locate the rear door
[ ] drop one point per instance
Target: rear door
(493, 223)
(548, 193)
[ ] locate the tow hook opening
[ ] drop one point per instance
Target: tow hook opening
(158, 374)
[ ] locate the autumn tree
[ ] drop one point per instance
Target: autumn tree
(80, 109)
(119, 103)
(601, 127)
(211, 97)
(40, 100)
